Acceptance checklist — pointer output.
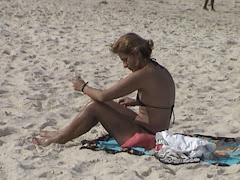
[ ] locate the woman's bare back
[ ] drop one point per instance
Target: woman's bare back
(157, 98)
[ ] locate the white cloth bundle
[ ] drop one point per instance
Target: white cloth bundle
(191, 146)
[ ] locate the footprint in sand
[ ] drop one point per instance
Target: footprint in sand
(26, 166)
(3, 91)
(2, 172)
(7, 131)
(50, 122)
(1, 142)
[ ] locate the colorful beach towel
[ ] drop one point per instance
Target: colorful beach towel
(110, 145)
(227, 150)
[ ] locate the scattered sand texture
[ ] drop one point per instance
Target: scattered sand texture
(43, 43)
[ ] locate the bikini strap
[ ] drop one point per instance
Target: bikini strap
(173, 116)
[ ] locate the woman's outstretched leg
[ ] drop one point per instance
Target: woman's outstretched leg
(82, 123)
(116, 119)
(49, 134)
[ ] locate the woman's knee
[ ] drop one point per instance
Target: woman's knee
(93, 105)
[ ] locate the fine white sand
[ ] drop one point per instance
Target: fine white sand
(43, 43)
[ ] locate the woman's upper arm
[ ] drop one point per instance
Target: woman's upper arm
(123, 87)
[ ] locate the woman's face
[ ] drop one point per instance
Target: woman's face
(128, 61)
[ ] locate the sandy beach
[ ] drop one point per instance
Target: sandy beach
(44, 43)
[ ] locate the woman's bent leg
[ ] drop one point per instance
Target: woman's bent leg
(115, 118)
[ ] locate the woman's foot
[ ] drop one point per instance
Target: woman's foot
(40, 141)
(47, 134)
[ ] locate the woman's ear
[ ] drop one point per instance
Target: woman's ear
(138, 55)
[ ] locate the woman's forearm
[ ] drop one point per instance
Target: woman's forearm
(95, 94)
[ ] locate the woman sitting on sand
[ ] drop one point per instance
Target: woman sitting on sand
(155, 98)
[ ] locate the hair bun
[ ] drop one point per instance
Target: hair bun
(150, 43)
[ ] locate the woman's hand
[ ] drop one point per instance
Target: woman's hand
(127, 101)
(78, 83)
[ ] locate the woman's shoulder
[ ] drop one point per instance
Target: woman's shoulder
(154, 69)
(149, 73)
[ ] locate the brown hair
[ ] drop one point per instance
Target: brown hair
(132, 43)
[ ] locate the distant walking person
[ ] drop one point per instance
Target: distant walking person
(212, 5)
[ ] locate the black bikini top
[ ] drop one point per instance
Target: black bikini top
(154, 61)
